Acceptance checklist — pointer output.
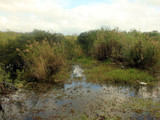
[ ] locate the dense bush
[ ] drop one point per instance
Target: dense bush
(143, 54)
(86, 40)
(10, 57)
(10, 42)
(43, 60)
(137, 49)
(108, 49)
(101, 51)
(40, 54)
(40, 35)
(4, 77)
(102, 44)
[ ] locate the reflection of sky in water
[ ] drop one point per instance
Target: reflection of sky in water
(83, 84)
(77, 95)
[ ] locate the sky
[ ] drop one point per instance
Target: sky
(76, 16)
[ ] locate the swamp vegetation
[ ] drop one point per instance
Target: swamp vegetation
(97, 74)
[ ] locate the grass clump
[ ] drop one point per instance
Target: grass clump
(112, 74)
(86, 62)
(129, 76)
(43, 60)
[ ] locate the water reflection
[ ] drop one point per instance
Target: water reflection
(74, 99)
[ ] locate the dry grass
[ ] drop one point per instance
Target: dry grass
(42, 60)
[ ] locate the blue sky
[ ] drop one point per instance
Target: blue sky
(70, 16)
(75, 3)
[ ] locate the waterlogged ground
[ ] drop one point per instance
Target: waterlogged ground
(78, 99)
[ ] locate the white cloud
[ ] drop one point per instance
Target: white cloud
(25, 15)
(150, 2)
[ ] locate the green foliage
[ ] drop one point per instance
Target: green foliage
(86, 61)
(136, 49)
(102, 44)
(4, 77)
(40, 54)
(86, 40)
(11, 43)
(10, 51)
(107, 49)
(103, 73)
(143, 54)
(40, 35)
(4, 36)
(129, 76)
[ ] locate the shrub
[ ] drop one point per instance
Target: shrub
(101, 51)
(42, 60)
(108, 49)
(11, 43)
(39, 35)
(10, 57)
(4, 77)
(107, 44)
(86, 40)
(143, 54)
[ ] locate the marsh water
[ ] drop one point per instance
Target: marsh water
(76, 99)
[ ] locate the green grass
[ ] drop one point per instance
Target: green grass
(107, 71)
(85, 61)
(112, 74)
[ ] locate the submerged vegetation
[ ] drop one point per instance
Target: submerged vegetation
(40, 55)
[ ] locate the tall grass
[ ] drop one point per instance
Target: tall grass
(12, 43)
(143, 54)
(43, 60)
(134, 48)
(107, 45)
(40, 54)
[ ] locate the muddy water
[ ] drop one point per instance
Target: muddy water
(75, 99)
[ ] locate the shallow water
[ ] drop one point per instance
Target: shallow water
(74, 99)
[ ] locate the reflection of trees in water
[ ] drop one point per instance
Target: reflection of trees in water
(13, 106)
(1, 110)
